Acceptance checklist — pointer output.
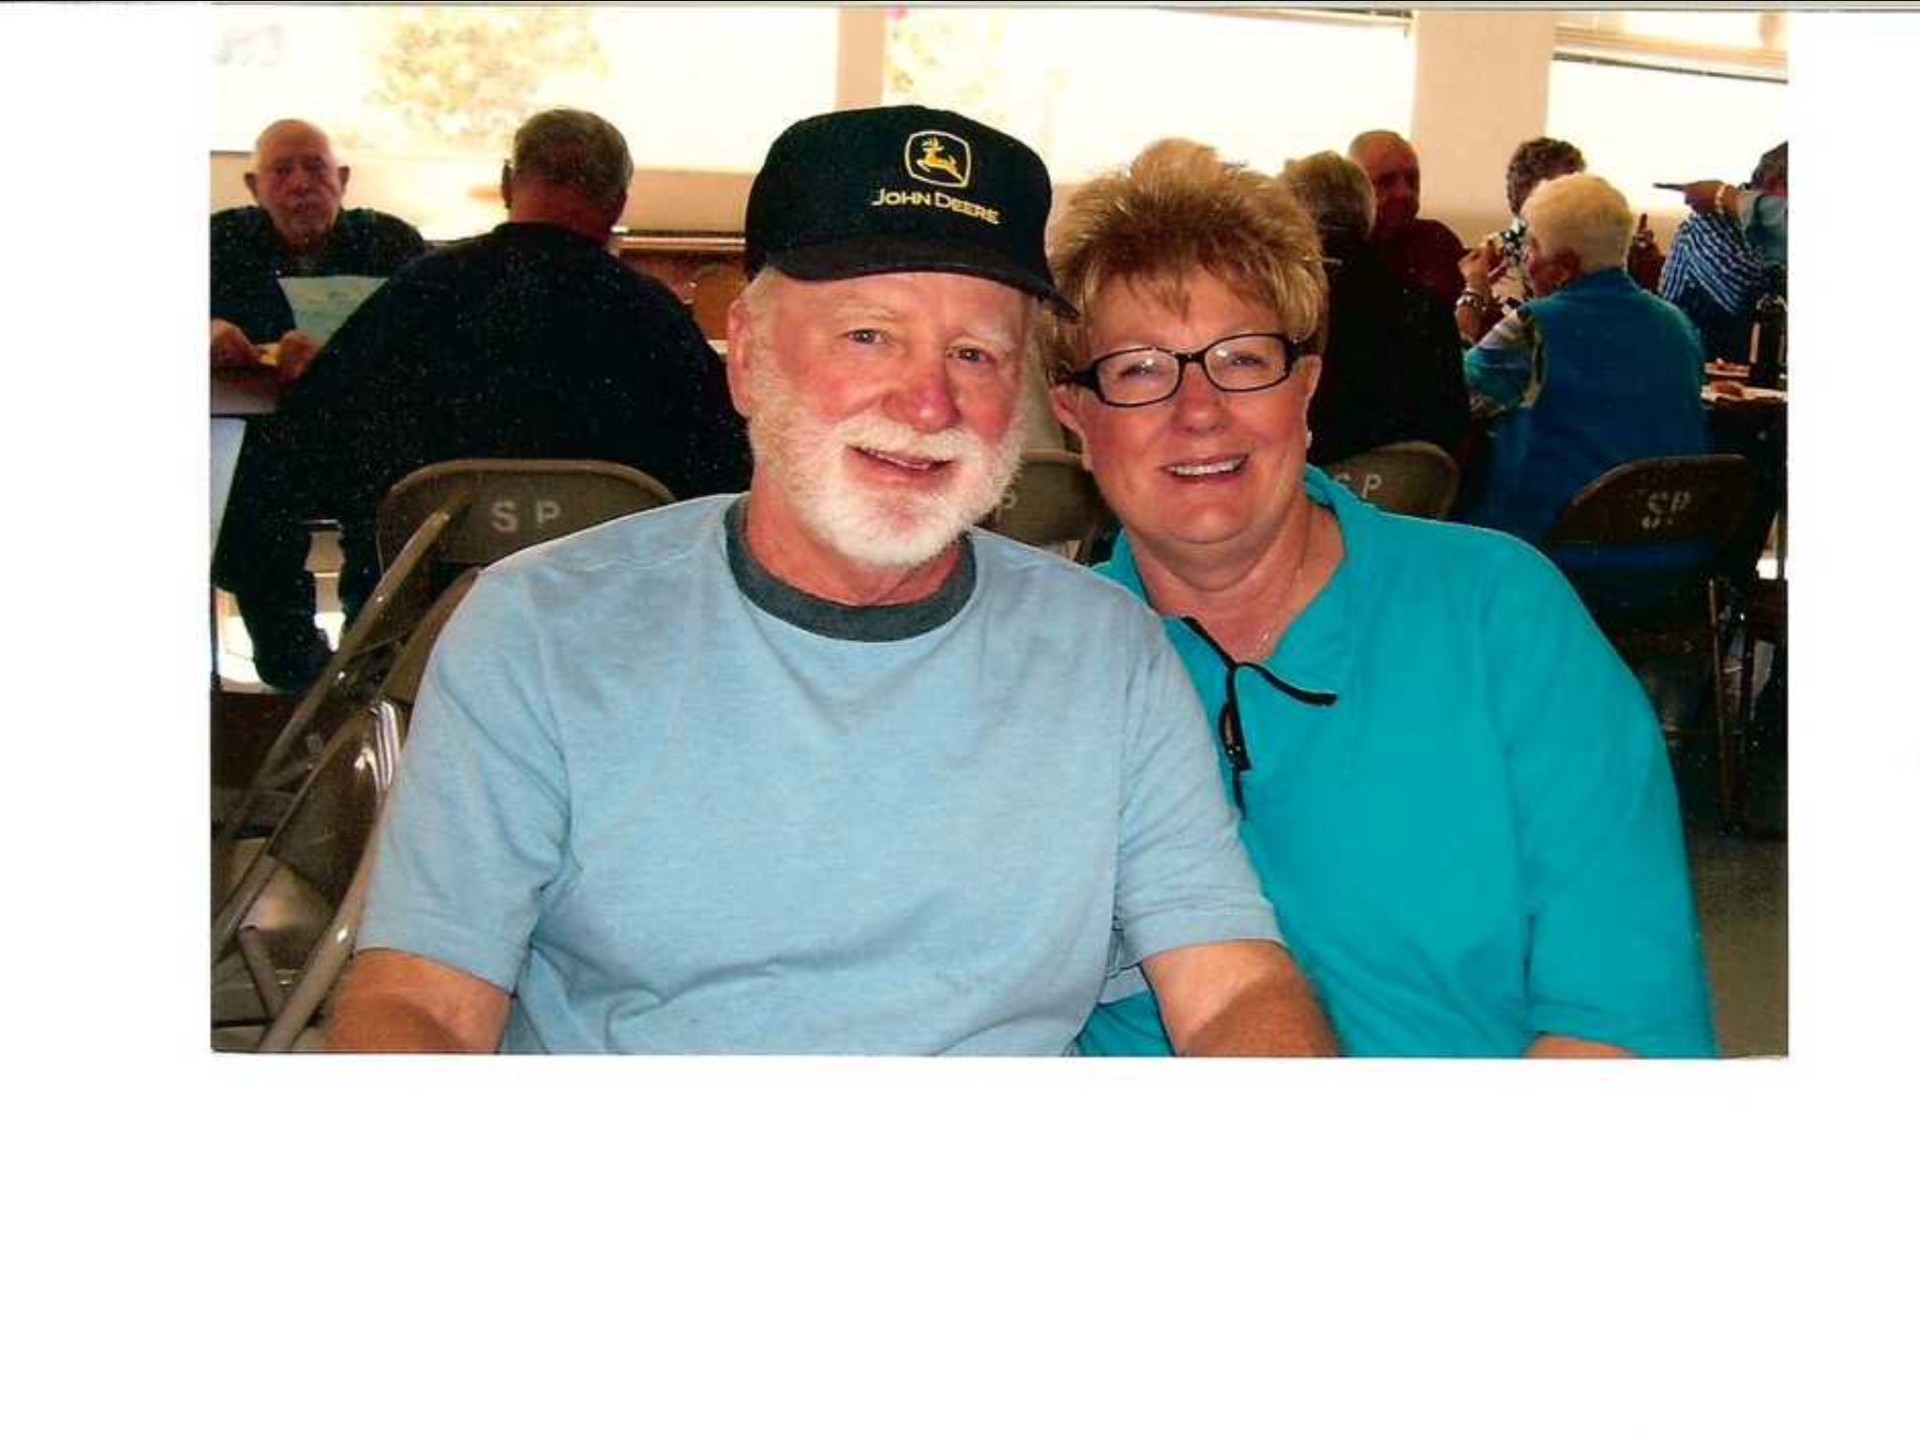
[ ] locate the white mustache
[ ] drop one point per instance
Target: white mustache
(876, 432)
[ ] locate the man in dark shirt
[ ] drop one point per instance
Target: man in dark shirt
(528, 342)
(1392, 368)
(297, 228)
(1423, 253)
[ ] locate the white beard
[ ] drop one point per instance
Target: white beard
(888, 527)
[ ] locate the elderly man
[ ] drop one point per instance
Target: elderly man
(821, 770)
(1589, 374)
(528, 342)
(1423, 253)
(297, 228)
(1730, 254)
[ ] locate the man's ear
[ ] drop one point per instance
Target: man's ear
(740, 356)
(253, 184)
(617, 209)
(1063, 400)
(506, 183)
(346, 171)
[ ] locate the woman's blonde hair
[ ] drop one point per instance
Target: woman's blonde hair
(1176, 209)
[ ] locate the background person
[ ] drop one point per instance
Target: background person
(1590, 374)
(1391, 366)
(1729, 254)
(759, 774)
(297, 227)
(1423, 253)
(1494, 272)
(529, 342)
(1454, 792)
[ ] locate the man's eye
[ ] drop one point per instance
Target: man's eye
(973, 354)
(865, 336)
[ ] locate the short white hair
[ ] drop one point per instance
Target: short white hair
(1584, 215)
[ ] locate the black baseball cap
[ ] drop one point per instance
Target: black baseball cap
(902, 187)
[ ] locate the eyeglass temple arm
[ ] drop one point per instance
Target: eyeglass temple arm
(1296, 692)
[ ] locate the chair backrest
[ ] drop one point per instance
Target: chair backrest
(1408, 477)
(1054, 503)
(291, 913)
(440, 521)
(495, 507)
(409, 668)
(1659, 501)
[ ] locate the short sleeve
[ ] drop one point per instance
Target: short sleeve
(1615, 953)
(474, 832)
(1183, 877)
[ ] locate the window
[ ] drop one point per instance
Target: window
(441, 82)
(1672, 96)
(1090, 88)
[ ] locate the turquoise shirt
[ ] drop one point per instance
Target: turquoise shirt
(1479, 841)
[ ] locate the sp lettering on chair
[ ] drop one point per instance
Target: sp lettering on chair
(1408, 477)
(507, 517)
(1659, 549)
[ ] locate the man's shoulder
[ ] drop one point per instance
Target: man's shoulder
(1027, 574)
(1434, 235)
(649, 541)
(239, 222)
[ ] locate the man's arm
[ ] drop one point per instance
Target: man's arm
(1566, 1047)
(1243, 997)
(397, 1003)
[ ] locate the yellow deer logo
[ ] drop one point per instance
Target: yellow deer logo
(928, 158)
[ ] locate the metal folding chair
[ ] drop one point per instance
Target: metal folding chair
(1054, 503)
(1656, 547)
(290, 915)
(1408, 477)
(440, 521)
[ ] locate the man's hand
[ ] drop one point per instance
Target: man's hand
(1243, 997)
(231, 347)
(1644, 260)
(1483, 264)
(297, 349)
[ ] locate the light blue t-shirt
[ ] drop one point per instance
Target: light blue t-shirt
(674, 806)
(1478, 842)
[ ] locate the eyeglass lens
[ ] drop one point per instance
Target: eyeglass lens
(1236, 363)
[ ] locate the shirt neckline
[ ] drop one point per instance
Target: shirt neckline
(832, 619)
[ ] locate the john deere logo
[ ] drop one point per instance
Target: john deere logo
(939, 159)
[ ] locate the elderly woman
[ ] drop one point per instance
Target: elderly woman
(1590, 373)
(1456, 795)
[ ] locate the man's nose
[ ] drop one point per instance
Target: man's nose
(925, 398)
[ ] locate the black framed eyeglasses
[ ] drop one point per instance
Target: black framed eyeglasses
(1147, 374)
(1233, 733)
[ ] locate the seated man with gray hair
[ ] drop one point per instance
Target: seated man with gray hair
(529, 342)
(1391, 368)
(1590, 373)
